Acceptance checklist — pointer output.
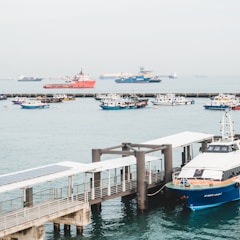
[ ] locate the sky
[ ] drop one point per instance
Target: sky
(51, 38)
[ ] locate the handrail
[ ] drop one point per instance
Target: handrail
(19, 217)
(116, 185)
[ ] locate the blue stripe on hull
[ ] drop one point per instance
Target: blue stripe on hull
(200, 198)
(112, 108)
(221, 107)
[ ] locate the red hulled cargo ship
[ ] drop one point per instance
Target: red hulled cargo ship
(78, 81)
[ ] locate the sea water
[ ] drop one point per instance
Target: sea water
(69, 131)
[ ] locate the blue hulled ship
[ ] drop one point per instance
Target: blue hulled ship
(211, 178)
(144, 76)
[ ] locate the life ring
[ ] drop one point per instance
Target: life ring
(237, 184)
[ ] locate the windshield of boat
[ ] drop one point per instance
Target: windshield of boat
(222, 148)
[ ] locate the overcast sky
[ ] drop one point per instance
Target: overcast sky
(59, 37)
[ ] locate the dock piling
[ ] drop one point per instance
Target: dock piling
(141, 185)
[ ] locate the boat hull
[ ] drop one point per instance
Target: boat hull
(237, 107)
(105, 107)
(30, 80)
(217, 107)
(200, 198)
(35, 106)
(137, 79)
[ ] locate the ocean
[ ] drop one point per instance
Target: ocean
(69, 131)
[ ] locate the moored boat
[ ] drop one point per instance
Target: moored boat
(114, 105)
(211, 178)
(34, 104)
(171, 100)
(18, 100)
(78, 81)
(223, 102)
(49, 99)
(63, 97)
(109, 96)
(3, 97)
(131, 102)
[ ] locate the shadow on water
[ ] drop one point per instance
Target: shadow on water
(164, 220)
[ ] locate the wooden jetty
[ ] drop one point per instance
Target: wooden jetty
(142, 170)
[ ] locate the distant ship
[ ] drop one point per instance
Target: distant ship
(138, 79)
(172, 75)
(78, 81)
(144, 72)
(113, 75)
(144, 76)
(29, 79)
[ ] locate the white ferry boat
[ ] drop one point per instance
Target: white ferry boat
(211, 178)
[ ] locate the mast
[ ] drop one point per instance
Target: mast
(227, 126)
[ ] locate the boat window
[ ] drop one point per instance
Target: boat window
(235, 147)
(219, 148)
(198, 172)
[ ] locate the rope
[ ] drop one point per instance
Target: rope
(152, 194)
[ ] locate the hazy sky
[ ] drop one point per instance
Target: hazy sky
(59, 37)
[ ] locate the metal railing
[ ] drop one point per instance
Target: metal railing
(40, 212)
(52, 203)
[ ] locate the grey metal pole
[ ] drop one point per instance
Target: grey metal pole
(168, 163)
(96, 157)
(141, 184)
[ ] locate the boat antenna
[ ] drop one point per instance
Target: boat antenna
(227, 126)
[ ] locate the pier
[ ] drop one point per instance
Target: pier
(140, 170)
(92, 95)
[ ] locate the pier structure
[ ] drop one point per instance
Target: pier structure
(141, 170)
(93, 95)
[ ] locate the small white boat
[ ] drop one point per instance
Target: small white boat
(222, 102)
(29, 79)
(171, 100)
(34, 104)
(114, 105)
(18, 100)
(109, 96)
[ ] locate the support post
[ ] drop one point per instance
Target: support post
(96, 157)
(204, 146)
(186, 156)
(168, 163)
(67, 229)
(29, 197)
(126, 148)
(141, 184)
(79, 230)
(70, 186)
(56, 228)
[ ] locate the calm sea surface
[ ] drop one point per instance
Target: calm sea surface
(69, 131)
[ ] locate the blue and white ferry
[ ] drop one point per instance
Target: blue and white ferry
(144, 76)
(211, 178)
(138, 79)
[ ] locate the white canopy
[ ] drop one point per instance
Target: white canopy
(30, 177)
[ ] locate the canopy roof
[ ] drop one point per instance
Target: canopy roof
(182, 139)
(30, 177)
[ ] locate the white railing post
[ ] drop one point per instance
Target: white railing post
(109, 183)
(150, 174)
(92, 188)
(124, 181)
